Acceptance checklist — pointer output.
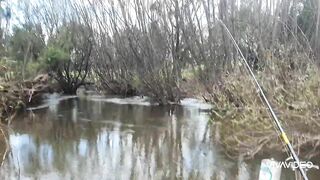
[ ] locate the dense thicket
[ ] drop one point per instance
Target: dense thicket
(155, 47)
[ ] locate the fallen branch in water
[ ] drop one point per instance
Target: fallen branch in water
(18, 95)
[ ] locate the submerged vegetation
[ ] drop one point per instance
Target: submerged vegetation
(171, 49)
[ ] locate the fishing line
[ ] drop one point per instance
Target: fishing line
(281, 131)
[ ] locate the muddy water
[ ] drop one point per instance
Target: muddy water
(112, 138)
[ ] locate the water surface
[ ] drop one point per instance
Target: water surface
(112, 138)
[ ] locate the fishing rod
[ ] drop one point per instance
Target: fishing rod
(282, 133)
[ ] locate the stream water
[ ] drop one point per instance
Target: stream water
(114, 138)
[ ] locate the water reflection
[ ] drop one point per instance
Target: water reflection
(86, 139)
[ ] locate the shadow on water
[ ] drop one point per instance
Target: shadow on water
(91, 139)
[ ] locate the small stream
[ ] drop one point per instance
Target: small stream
(120, 138)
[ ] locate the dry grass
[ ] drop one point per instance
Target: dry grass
(246, 127)
(4, 144)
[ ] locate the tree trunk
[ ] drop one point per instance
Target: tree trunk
(25, 59)
(317, 44)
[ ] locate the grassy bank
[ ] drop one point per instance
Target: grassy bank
(247, 128)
